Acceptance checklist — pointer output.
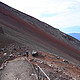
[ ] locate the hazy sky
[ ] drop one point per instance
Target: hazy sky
(61, 14)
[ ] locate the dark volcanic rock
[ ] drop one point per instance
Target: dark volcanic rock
(1, 30)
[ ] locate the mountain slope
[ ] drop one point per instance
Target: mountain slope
(4, 39)
(76, 35)
(38, 35)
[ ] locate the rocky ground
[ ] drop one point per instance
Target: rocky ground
(21, 68)
(57, 68)
(17, 69)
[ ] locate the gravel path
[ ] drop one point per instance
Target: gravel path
(17, 70)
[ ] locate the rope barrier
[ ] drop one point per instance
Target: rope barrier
(43, 74)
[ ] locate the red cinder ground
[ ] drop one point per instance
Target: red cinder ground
(38, 36)
(54, 66)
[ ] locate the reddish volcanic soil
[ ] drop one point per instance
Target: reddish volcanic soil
(51, 63)
(14, 23)
(58, 57)
(18, 66)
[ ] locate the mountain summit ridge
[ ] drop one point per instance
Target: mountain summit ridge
(30, 31)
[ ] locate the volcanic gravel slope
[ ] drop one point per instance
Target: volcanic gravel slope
(5, 40)
(29, 32)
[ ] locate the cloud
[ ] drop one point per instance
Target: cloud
(72, 29)
(63, 20)
(58, 13)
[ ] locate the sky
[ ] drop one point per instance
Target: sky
(61, 14)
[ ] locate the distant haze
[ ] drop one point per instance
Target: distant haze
(75, 35)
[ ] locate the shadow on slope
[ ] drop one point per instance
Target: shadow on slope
(4, 39)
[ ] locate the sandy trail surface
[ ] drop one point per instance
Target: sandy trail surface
(18, 69)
